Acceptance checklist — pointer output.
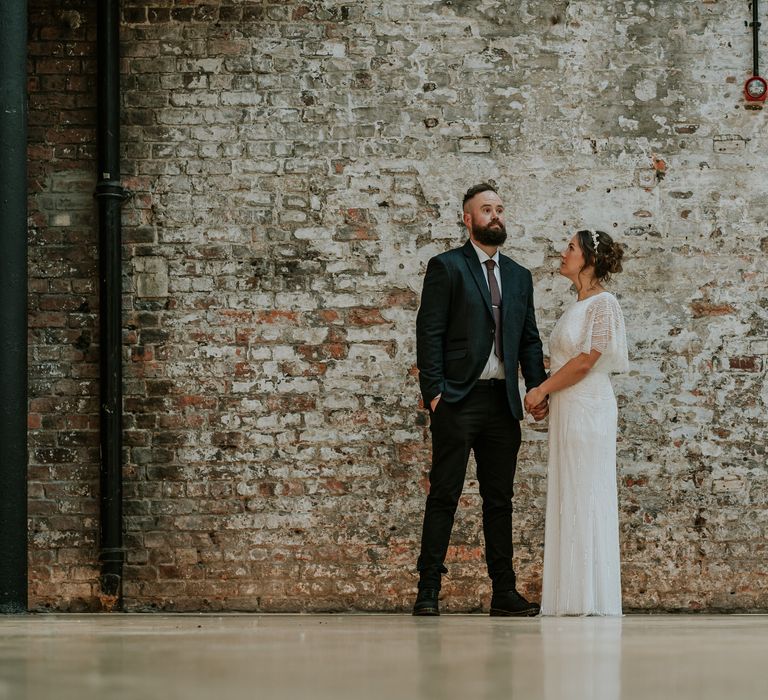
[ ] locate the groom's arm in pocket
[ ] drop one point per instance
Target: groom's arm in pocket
(431, 327)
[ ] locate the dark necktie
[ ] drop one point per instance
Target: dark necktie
(496, 304)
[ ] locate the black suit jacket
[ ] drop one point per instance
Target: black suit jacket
(455, 328)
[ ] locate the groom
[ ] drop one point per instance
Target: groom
(475, 325)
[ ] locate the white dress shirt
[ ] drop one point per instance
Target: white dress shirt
(494, 367)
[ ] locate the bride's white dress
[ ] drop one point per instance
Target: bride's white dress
(582, 573)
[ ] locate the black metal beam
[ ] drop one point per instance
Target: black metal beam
(13, 307)
(110, 195)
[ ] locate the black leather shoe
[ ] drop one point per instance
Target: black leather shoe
(426, 602)
(512, 604)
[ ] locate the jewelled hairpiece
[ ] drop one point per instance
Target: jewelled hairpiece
(595, 240)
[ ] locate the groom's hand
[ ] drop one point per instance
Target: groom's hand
(541, 411)
(433, 403)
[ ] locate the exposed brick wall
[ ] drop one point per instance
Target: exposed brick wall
(294, 166)
(63, 308)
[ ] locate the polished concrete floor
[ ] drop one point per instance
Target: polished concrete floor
(368, 657)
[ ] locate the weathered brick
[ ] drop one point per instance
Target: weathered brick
(294, 165)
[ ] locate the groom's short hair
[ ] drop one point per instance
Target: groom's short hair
(477, 189)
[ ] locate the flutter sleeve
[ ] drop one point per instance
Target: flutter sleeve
(604, 331)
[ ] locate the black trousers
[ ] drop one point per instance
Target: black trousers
(483, 423)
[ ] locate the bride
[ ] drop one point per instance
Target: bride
(581, 544)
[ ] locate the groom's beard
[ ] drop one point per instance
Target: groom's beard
(494, 234)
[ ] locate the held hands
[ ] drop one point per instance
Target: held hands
(537, 404)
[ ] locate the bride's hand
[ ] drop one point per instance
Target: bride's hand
(533, 398)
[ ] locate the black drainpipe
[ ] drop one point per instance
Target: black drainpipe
(755, 24)
(13, 307)
(110, 196)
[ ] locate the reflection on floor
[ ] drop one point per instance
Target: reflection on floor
(367, 657)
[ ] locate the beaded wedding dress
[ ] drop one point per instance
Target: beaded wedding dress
(581, 544)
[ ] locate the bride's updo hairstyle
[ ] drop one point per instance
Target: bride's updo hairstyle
(602, 251)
